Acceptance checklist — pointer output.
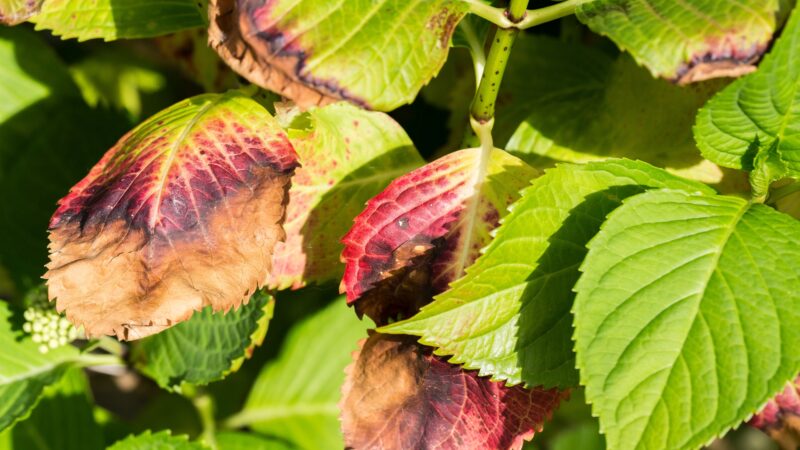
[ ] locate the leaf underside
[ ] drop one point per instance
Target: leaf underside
(686, 317)
(181, 214)
(398, 397)
(686, 41)
(509, 315)
(375, 54)
(205, 348)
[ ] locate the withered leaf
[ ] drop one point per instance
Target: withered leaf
(13, 12)
(182, 213)
(398, 396)
(425, 228)
(780, 417)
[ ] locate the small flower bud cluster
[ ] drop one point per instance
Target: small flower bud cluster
(46, 327)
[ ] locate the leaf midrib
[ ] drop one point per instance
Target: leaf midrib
(718, 254)
(174, 151)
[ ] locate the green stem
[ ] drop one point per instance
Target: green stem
(483, 104)
(204, 405)
(517, 17)
(99, 359)
(549, 13)
(475, 49)
(494, 15)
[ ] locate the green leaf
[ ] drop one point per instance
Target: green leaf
(759, 111)
(61, 421)
(206, 347)
(119, 19)
(24, 371)
(234, 440)
(376, 54)
(117, 79)
(163, 440)
(686, 41)
(295, 397)
(189, 51)
(509, 315)
(35, 168)
(687, 317)
(347, 156)
(586, 105)
(13, 12)
(29, 72)
(584, 437)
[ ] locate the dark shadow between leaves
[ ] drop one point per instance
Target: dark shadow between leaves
(44, 149)
(545, 321)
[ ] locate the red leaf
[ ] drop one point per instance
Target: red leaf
(780, 418)
(398, 396)
(183, 212)
(348, 156)
(425, 228)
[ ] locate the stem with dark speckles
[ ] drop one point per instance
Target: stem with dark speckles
(483, 104)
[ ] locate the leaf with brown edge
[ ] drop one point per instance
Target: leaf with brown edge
(425, 228)
(182, 213)
(398, 396)
(376, 54)
(780, 417)
(13, 12)
(348, 155)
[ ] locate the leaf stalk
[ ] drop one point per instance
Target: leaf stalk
(516, 16)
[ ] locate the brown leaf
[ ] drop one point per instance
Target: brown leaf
(780, 417)
(229, 32)
(13, 12)
(182, 213)
(399, 396)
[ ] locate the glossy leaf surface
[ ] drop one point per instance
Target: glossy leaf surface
(182, 213)
(686, 317)
(376, 54)
(509, 316)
